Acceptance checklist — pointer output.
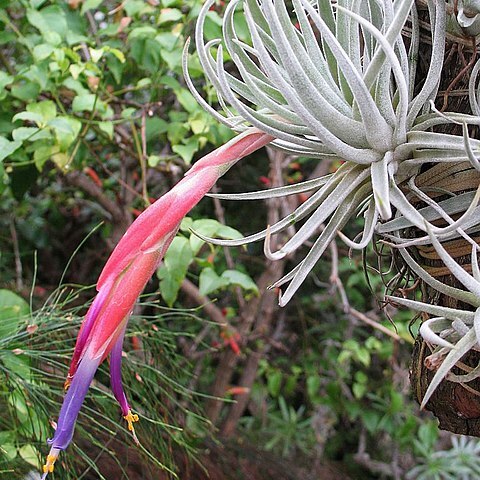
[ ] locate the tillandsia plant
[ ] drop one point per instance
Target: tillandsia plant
(339, 80)
(321, 80)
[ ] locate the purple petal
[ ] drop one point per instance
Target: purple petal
(116, 384)
(116, 373)
(73, 401)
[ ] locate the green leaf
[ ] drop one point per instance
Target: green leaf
(30, 134)
(370, 420)
(61, 160)
(89, 5)
(84, 102)
(169, 15)
(229, 233)
(30, 454)
(96, 54)
(13, 310)
(187, 150)
(274, 382)
(47, 110)
(363, 356)
(176, 130)
(153, 160)
(116, 68)
(147, 53)
(25, 91)
(209, 281)
(128, 112)
(118, 54)
(206, 227)
(5, 79)
(177, 259)
(51, 21)
(234, 277)
(28, 116)
(168, 40)
(42, 51)
(187, 101)
(107, 128)
(41, 155)
(179, 256)
(186, 225)
(141, 32)
(136, 7)
(76, 70)
(172, 59)
(313, 386)
(7, 147)
(66, 131)
(199, 122)
(8, 450)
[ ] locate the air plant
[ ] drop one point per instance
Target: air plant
(325, 80)
(335, 81)
(338, 80)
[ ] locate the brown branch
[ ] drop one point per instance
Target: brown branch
(257, 315)
(80, 180)
(209, 308)
(18, 260)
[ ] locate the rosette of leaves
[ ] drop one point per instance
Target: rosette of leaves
(338, 81)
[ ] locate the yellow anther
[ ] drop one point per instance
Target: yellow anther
(67, 383)
(131, 418)
(48, 467)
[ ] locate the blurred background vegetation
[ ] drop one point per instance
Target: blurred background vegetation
(95, 122)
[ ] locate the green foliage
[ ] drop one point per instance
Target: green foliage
(460, 462)
(67, 86)
(185, 251)
(13, 309)
(101, 95)
(29, 397)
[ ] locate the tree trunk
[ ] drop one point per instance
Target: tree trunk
(456, 405)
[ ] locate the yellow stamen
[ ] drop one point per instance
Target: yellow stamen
(67, 383)
(131, 418)
(49, 465)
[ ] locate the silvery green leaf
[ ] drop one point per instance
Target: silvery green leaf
(371, 217)
(399, 200)
(473, 90)
(437, 14)
(380, 186)
(437, 310)
(450, 206)
(474, 260)
(401, 129)
(461, 348)
(335, 201)
(337, 222)
(276, 192)
(468, 148)
(430, 336)
(462, 276)
(378, 132)
(440, 287)
(392, 35)
(301, 212)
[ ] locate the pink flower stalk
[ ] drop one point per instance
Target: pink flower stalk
(130, 266)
